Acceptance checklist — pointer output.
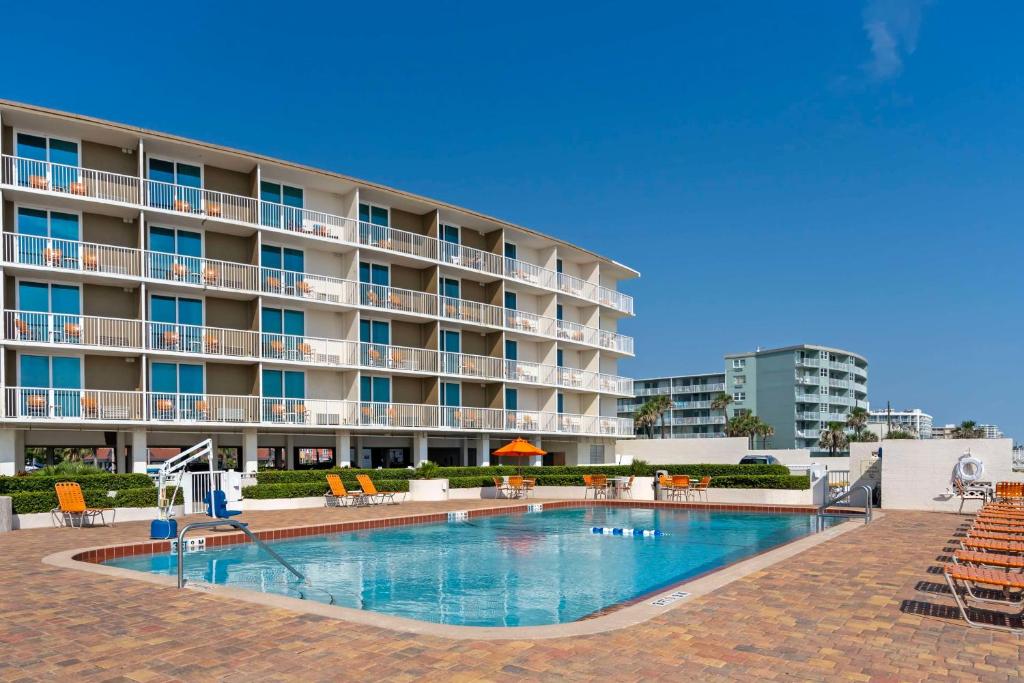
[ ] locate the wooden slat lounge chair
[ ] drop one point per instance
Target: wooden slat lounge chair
(995, 536)
(71, 504)
(965, 580)
(371, 490)
(339, 496)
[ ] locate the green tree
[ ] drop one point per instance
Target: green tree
(644, 420)
(763, 430)
(857, 420)
(660, 405)
(721, 402)
(900, 434)
(865, 435)
(968, 429)
(833, 439)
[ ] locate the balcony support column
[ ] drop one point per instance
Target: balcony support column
(140, 451)
(289, 452)
(12, 459)
(119, 452)
(483, 449)
(536, 460)
(250, 446)
(342, 449)
(419, 448)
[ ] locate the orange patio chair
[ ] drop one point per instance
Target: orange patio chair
(369, 489)
(681, 485)
(71, 504)
(339, 496)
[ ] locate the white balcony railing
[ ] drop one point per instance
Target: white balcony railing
(208, 204)
(698, 388)
(94, 405)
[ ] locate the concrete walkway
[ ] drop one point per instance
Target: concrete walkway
(864, 606)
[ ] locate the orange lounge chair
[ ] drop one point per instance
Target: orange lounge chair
(995, 536)
(1007, 547)
(974, 558)
(965, 580)
(500, 486)
(71, 504)
(339, 496)
(681, 485)
(369, 489)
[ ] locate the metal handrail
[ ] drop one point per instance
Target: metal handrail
(241, 526)
(868, 493)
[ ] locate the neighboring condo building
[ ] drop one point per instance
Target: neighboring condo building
(798, 390)
(158, 290)
(949, 431)
(916, 421)
(691, 415)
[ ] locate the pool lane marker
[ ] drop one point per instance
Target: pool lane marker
(458, 515)
(616, 531)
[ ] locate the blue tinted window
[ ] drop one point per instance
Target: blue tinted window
(364, 271)
(293, 260)
(163, 309)
(165, 378)
(190, 379)
(32, 222)
(273, 385)
(382, 389)
(511, 350)
(34, 296)
(450, 341)
(560, 359)
(31, 147)
(561, 402)
(67, 372)
(190, 176)
(450, 234)
(35, 371)
(292, 196)
(378, 216)
(381, 332)
(271, 256)
(558, 311)
(450, 396)
(190, 243)
(294, 323)
(365, 389)
(63, 152)
(364, 331)
(510, 300)
(450, 288)
(294, 384)
(64, 299)
(272, 322)
(63, 226)
(511, 399)
(161, 171)
(161, 240)
(190, 311)
(270, 192)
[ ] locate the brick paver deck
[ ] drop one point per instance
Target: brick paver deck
(865, 606)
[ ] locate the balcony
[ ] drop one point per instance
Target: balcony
(123, 263)
(76, 406)
(140, 193)
(704, 420)
(137, 336)
(655, 391)
(821, 417)
(691, 405)
(698, 388)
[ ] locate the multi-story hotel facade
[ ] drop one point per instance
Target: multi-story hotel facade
(158, 290)
(691, 414)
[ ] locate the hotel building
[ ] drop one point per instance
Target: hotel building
(158, 290)
(916, 421)
(691, 415)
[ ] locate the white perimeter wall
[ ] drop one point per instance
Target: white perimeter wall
(716, 451)
(917, 474)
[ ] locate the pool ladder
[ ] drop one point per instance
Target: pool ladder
(244, 528)
(868, 495)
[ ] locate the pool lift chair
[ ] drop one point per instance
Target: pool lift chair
(169, 475)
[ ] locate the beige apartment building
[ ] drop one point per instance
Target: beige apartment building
(159, 290)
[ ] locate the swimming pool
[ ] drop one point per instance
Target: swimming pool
(505, 570)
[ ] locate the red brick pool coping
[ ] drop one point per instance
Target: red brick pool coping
(612, 617)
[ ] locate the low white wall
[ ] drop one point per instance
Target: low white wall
(280, 503)
(718, 451)
(917, 474)
(40, 520)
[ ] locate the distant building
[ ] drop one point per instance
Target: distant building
(914, 421)
(798, 390)
(949, 432)
(991, 431)
(691, 415)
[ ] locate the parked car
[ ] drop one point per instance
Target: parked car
(759, 460)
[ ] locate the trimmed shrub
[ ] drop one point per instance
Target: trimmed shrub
(791, 482)
(25, 502)
(313, 489)
(99, 482)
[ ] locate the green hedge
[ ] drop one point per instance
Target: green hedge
(309, 489)
(25, 502)
(450, 473)
(98, 482)
(304, 489)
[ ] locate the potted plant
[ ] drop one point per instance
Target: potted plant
(427, 484)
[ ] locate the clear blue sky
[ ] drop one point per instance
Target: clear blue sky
(846, 173)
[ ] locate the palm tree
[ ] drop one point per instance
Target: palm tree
(721, 402)
(900, 434)
(857, 420)
(645, 419)
(834, 438)
(739, 425)
(659, 405)
(865, 435)
(763, 430)
(968, 429)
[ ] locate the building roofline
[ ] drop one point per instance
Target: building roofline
(797, 347)
(692, 374)
(257, 157)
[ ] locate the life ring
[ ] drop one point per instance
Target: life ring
(969, 469)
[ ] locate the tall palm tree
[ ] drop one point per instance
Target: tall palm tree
(968, 429)
(857, 420)
(833, 438)
(721, 402)
(659, 405)
(763, 430)
(644, 419)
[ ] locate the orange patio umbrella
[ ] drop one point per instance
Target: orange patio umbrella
(518, 448)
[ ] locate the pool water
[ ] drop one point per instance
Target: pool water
(508, 570)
